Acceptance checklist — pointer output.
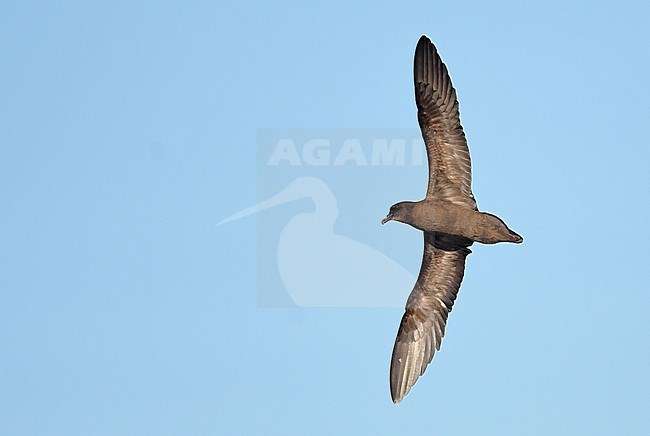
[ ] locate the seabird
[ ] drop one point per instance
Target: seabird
(448, 216)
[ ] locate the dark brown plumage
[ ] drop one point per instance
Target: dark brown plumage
(448, 216)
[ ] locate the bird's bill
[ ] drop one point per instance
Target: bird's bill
(283, 197)
(389, 217)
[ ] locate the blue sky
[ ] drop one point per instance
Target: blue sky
(128, 130)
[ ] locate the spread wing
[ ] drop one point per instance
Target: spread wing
(450, 171)
(423, 324)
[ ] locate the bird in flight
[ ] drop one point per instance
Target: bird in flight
(448, 216)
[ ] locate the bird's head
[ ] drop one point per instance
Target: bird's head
(400, 212)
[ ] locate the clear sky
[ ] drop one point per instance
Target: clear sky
(128, 130)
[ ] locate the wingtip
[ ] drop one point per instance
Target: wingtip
(423, 43)
(395, 397)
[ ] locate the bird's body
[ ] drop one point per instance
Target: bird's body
(448, 217)
(452, 219)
